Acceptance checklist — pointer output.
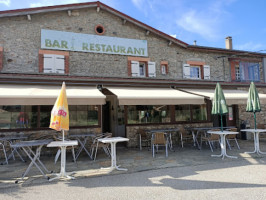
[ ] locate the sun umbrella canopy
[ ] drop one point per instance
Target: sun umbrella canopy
(219, 103)
(253, 102)
(60, 114)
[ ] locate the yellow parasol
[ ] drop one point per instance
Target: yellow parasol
(60, 114)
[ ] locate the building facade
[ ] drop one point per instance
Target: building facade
(92, 46)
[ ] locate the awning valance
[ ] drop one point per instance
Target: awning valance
(154, 96)
(46, 95)
(231, 96)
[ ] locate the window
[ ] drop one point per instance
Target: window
(164, 67)
(148, 114)
(245, 71)
(141, 68)
(53, 62)
(191, 113)
(26, 117)
(196, 70)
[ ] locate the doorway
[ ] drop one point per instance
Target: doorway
(106, 125)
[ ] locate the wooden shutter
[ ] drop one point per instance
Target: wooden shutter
(134, 68)
(48, 63)
(206, 72)
(186, 71)
(151, 69)
(59, 64)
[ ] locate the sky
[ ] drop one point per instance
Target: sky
(208, 22)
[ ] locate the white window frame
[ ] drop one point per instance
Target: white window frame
(199, 70)
(237, 72)
(143, 66)
(163, 69)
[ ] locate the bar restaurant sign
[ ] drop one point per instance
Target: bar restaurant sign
(69, 41)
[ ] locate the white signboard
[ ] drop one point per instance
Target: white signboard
(69, 41)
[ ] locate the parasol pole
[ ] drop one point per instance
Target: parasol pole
(63, 135)
(255, 120)
(221, 122)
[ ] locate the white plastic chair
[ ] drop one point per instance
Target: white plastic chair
(96, 144)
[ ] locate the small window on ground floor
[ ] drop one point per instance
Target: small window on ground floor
(192, 113)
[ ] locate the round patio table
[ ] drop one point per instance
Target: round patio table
(256, 133)
(223, 143)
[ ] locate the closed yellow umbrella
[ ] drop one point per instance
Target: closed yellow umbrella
(60, 114)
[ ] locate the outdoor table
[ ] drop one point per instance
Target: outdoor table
(223, 143)
(256, 133)
(11, 139)
(113, 141)
(83, 139)
(34, 156)
(168, 132)
(63, 145)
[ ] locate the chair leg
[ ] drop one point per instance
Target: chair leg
(152, 150)
(210, 144)
(228, 143)
(57, 156)
(182, 143)
(73, 154)
(237, 144)
(4, 150)
(96, 151)
(166, 150)
(140, 145)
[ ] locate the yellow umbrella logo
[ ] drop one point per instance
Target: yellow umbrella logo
(60, 114)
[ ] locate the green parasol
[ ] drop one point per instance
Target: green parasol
(253, 102)
(219, 106)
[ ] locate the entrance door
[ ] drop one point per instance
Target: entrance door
(106, 125)
(231, 117)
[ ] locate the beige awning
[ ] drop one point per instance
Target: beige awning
(231, 96)
(154, 96)
(46, 95)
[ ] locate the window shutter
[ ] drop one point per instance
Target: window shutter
(134, 68)
(48, 63)
(151, 69)
(206, 72)
(186, 71)
(59, 64)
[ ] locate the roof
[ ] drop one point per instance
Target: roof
(99, 5)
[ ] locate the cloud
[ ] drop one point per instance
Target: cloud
(5, 2)
(249, 46)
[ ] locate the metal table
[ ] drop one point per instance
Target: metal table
(256, 133)
(83, 139)
(33, 156)
(63, 145)
(113, 141)
(223, 143)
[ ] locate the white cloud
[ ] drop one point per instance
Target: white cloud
(196, 23)
(5, 2)
(174, 35)
(249, 46)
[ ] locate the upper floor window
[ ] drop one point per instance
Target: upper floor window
(143, 69)
(53, 62)
(196, 70)
(1, 58)
(245, 71)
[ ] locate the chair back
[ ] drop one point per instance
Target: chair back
(143, 133)
(232, 136)
(159, 138)
(214, 136)
(261, 126)
(183, 131)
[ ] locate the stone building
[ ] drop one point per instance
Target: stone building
(119, 72)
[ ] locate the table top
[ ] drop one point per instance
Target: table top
(30, 143)
(254, 130)
(82, 135)
(223, 132)
(113, 139)
(63, 143)
(209, 128)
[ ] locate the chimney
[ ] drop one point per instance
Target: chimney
(228, 42)
(195, 42)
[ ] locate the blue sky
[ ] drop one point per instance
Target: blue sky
(207, 21)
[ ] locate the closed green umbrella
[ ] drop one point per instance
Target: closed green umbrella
(253, 102)
(219, 106)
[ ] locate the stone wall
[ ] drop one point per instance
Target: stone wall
(132, 132)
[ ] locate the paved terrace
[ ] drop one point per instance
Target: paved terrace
(135, 161)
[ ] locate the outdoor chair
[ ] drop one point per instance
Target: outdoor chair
(159, 139)
(210, 139)
(144, 138)
(2, 146)
(230, 137)
(184, 136)
(96, 145)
